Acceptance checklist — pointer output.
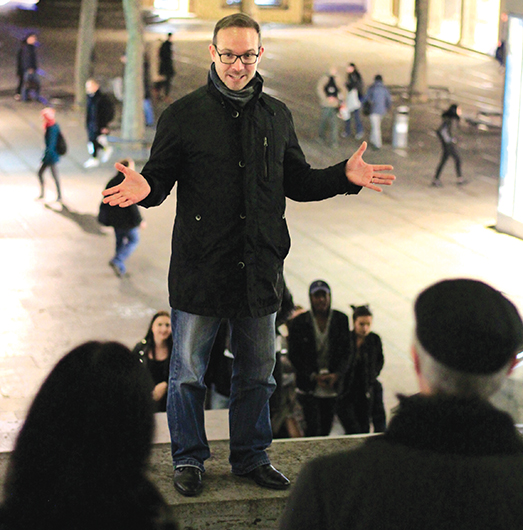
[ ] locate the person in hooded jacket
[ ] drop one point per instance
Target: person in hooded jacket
(448, 144)
(319, 349)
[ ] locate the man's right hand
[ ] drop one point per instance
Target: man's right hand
(134, 188)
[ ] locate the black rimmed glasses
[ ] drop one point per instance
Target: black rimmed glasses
(231, 58)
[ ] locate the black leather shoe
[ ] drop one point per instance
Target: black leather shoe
(268, 476)
(188, 480)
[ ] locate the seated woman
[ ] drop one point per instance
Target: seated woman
(80, 458)
(154, 351)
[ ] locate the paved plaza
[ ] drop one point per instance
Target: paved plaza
(57, 290)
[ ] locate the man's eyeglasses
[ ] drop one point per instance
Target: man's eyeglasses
(231, 58)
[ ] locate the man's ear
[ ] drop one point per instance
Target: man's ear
(212, 51)
(415, 358)
(515, 363)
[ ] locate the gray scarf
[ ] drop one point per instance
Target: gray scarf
(239, 98)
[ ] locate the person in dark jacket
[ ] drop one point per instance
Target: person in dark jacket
(81, 458)
(355, 93)
(362, 399)
(448, 144)
(99, 113)
(126, 223)
(448, 459)
(319, 350)
(27, 69)
(154, 352)
(233, 152)
(51, 156)
(166, 68)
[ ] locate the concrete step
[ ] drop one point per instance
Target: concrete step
(229, 502)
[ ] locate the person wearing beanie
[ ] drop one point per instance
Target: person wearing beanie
(319, 350)
(448, 458)
(232, 151)
(448, 145)
(51, 156)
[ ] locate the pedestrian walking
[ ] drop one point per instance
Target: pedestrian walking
(51, 155)
(99, 113)
(448, 145)
(233, 152)
(126, 223)
(355, 94)
(27, 69)
(331, 94)
(379, 100)
(167, 70)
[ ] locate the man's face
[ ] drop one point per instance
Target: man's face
(320, 302)
(237, 41)
(91, 87)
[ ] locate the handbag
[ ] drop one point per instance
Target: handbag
(353, 101)
(367, 107)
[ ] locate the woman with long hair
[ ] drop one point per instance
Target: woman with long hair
(154, 351)
(80, 459)
(51, 156)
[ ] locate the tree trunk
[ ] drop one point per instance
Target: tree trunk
(84, 49)
(418, 83)
(133, 127)
(248, 7)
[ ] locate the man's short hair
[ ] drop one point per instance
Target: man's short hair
(445, 380)
(468, 326)
(236, 20)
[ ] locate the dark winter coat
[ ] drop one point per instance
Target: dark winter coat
(51, 156)
(166, 59)
(120, 218)
(100, 112)
(365, 367)
(26, 59)
(444, 463)
(234, 169)
(302, 351)
(354, 80)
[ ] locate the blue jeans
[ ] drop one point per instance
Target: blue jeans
(357, 119)
(126, 242)
(252, 384)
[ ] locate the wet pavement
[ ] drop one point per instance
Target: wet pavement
(57, 290)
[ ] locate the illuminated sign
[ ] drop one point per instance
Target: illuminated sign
(510, 200)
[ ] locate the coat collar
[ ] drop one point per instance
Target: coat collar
(447, 424)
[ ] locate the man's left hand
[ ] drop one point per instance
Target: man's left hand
(362, 174)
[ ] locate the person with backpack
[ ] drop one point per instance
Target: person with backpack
(126, 223)
(99, 113)
(331, 94)
(448, 145)
(54, 148)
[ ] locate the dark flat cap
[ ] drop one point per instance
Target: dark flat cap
(467, 325)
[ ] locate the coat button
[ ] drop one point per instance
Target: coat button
(198, 217)
(242, 216)
(241, 163)
(241, 265)
(235, 114)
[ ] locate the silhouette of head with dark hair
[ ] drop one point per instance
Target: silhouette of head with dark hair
(80, 458)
